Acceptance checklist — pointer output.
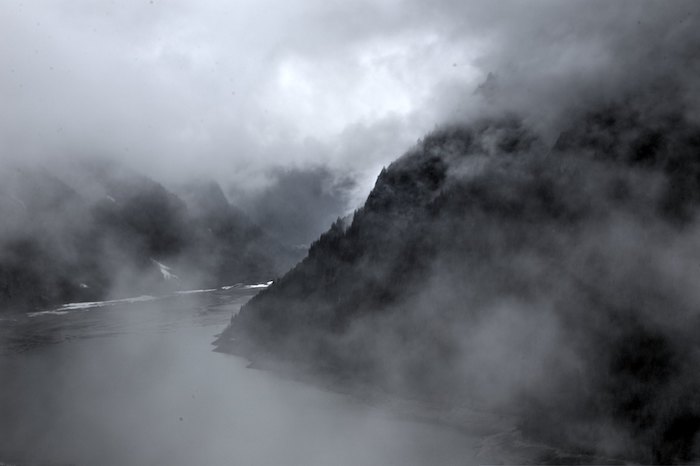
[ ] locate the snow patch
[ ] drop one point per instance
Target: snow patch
(91, 305)
(195, 291)
(165, 271)
(259, 285)
(43, 313)
(230, 287)
(87, 305)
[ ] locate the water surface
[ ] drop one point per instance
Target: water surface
(138, 383)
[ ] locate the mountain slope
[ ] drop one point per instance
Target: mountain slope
(93, 231)
(489, 268)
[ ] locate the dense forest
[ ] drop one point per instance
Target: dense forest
(491, 266)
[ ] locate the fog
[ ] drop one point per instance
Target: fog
(237, 90)
(293, 108)
(232, 89)
(298, 204)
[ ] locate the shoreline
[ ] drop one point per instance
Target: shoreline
(501, 440)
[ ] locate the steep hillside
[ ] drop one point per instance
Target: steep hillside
(97, 230)
(489, 268)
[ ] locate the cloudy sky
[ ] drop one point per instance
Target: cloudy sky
(235, 89)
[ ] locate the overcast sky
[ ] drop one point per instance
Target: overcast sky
(237, 88)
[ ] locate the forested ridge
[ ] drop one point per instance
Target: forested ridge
(489, 266)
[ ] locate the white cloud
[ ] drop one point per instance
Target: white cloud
(234, 88)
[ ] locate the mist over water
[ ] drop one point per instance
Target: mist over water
(139, 384)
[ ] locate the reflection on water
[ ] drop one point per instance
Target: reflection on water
(138, 383)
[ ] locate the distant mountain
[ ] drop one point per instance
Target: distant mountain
(227, 243)
(90, 230)
(555, 282)
(299, 204)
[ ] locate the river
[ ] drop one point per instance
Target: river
(139, 383)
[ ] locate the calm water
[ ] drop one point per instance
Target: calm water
(139, 384)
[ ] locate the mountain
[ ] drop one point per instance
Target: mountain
(491, 268)
(42, 256)
(299, 204)
(227, 243)
(89, 230)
